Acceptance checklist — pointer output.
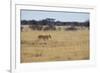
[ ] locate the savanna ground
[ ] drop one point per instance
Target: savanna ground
(62, 46)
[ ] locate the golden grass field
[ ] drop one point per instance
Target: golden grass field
(63, 46)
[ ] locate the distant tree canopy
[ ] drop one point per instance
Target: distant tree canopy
(24, 22)
(86, 23)
(48, 21)
(51, 22)
(32, 22)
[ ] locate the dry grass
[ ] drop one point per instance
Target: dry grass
(64, 45)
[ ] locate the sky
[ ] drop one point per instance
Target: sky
(58, 16)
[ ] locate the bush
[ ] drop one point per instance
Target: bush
(71, 28)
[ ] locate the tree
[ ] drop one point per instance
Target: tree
(32, 22)
(24, 22)
(86, 23)
(48, 21)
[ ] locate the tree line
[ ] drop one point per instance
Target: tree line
(50, 24)
(50, 21)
